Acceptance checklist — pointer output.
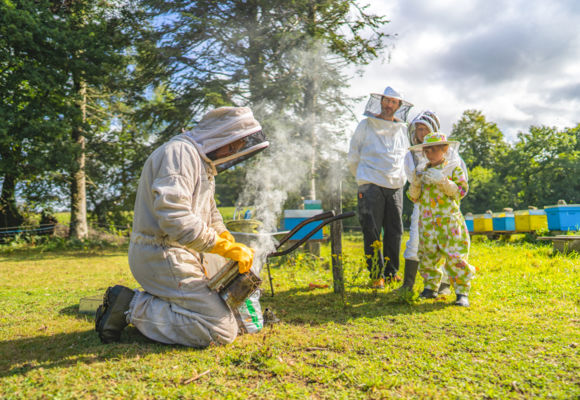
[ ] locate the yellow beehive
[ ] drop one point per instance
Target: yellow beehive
(522, 220)
(531, 220)
(538, 220)
(482, 223)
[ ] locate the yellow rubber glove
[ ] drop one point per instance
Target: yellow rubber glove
(227, 236)
(234, 251)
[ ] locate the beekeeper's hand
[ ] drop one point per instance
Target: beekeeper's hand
(234, 251)
(227, 236)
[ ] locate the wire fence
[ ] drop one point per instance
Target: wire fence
(13, 232)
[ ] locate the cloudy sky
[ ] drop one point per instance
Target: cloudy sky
(517, 61)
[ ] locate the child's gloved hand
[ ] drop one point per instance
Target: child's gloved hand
(415, 178)
(434, 176)
(227, 236)
(234, 251)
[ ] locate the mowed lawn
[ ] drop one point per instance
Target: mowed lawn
(519, 339)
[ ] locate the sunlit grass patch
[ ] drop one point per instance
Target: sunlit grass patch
(519, 339)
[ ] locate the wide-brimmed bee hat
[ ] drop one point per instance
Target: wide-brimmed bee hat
(374, 107)
(434, 139)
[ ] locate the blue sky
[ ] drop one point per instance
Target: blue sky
(516, 61)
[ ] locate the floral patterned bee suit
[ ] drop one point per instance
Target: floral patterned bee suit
(442, 230)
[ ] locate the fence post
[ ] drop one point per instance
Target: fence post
(336, 238)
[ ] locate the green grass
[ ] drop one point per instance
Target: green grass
(520, 338)
(227, 212)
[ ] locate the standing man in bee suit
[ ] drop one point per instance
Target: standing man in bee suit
(176, 224)
(424, 123)
(376, 155)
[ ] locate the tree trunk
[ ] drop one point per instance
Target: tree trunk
(310, 101)
(9, 215)
(255, 66)
(78, 208)
(310, 130)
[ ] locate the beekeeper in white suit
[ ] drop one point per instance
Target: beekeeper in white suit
(176, 226)
(377, 150)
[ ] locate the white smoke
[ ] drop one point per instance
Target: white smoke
(279, 171)
(286, 166)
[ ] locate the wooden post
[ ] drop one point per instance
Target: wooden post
(336, 240)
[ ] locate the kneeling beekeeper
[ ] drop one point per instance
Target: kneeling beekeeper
(176, 224)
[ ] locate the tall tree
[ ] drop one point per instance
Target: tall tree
(482, 143)
(97, 36)
(33, 98)
(254, 53)
(546, 164)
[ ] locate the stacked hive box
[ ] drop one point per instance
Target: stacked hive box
(563, 217)
(483, 222)
(504, 221)
(531, 220)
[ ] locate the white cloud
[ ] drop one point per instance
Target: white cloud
(517, 61)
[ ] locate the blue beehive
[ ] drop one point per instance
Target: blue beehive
(469, 222)
(313, 204)
(294, 217)
(504, 221)
(563, 217)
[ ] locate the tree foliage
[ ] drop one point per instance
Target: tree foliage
(539, 169)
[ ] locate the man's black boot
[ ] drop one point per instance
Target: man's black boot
(110, 319)
(428, 294)
(444, 289)
(462, 300)
(411, 267)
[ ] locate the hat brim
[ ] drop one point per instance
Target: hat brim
(405, 102)
(423, 145)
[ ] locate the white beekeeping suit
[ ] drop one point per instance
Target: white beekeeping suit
(176, 223)
(376, 159)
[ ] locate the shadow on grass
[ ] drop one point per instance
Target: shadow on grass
(296, 306)
(73, 311)
(312, 307)
(20, 356)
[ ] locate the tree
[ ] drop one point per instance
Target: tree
(33, 98)
(546, 165)
(482, 143)
(271, 55)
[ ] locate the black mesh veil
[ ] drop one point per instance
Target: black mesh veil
(253, 144)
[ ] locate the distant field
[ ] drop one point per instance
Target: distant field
(520, 339)
(227, 214)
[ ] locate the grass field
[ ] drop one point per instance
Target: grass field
(520, 338)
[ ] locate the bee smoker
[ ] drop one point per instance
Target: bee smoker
(234, 287)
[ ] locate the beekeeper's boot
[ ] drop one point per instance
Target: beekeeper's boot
(111, 317)
(411, 267)
(462, 300)
(428, 294)
(444, 289)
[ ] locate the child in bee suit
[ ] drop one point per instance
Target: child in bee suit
(438, 188)
(424, 123)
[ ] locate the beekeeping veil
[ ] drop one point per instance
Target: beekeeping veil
(427, 118)
(374, 108)
(431, 121)
(434, 139)
(224, 126)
